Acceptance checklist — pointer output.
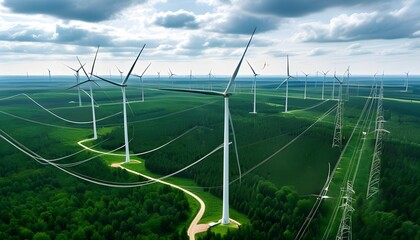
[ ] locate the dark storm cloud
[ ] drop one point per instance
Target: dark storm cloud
(88, 11)
(178, 19)
(298, 8)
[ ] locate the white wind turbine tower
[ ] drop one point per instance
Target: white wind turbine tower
(225, 94)
(77, 82)
(210, 76)
(171, 74)
(121, 72)
(49, 75)
(89, 79)
(158, 73)
(254, 87)
(406, 81)
(190, 77)
(141, 81)
(306, 80)
(123, 85)
(323, 83)
(287, 84)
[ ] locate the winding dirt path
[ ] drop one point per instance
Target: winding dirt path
(194, 227)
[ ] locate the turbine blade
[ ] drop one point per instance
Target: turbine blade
(146, 69)
(282, 83)
(236, 146)
(235, 73)
(111, 82)
(96, 83)
(70, 67)
(79, 84)
(214, 93)
(94, 61)
(288, 74)
(82, 67)
(132, 67)
(136, 75)
(251, 68)
(85, 93)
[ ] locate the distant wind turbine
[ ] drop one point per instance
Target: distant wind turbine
(323, 83)
(210, 76)
(90, 80)
(171, 74)
(255, 87)
(227, 118)
(77, 81)
(190, 77)
(142, 82)
(49, 75)
(121, 73)
(306, 80)
(123, 85)
(158, 73)
(406, 81)
(287, 84)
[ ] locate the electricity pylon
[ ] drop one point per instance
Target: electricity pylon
(344, 231)
(337, 139)
(375, 169)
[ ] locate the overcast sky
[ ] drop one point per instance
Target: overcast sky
(199, 35)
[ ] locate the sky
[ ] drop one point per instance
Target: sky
(210, 35)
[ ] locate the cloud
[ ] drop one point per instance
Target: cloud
(244, 23)
(357, 49)
(178, 19)
(362, 26)
(80, 36)
(61, 35)
(88, 11)
(319, 52)
(297, 8)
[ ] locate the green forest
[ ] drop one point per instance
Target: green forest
(41, 202)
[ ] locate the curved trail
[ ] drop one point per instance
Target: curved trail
(194, 226)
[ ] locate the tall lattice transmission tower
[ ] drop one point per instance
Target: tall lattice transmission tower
(344, 231)
(337, 139)
(375, 169)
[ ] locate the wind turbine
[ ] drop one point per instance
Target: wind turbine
(225, 94)
(190, 77)
(211, 84)
(123, 85)
(255, 87)
(49, 75)
(171, 74)
(141, 81)
(121, 72)
(323, 83)
(77, 82)
(406, 81)
(158, 73)
(287, 84)
(89, 79)
(306, 80)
